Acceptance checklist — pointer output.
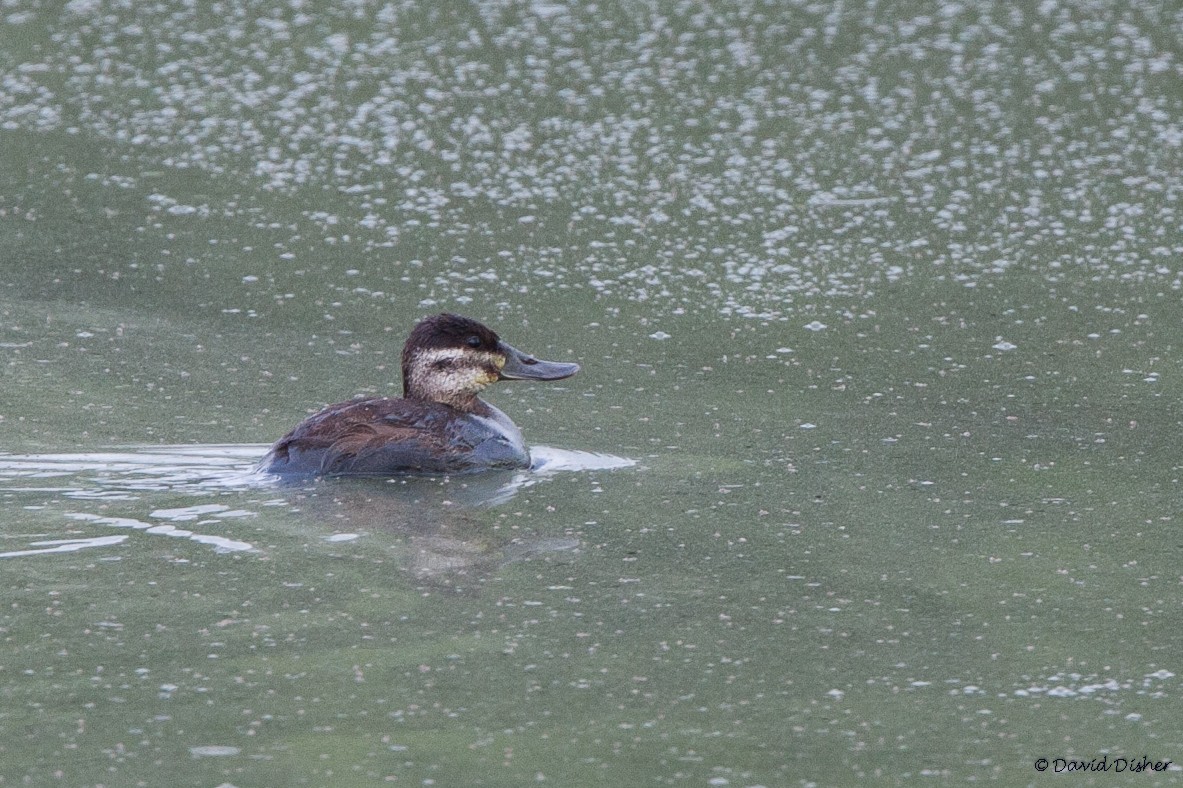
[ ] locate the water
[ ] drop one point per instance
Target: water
(868, 472)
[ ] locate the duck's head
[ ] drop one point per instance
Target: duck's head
(450, 359)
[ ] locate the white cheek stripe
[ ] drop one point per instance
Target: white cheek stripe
(468, 358)
(429, 357)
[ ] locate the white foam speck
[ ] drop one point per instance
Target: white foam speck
(213, 751)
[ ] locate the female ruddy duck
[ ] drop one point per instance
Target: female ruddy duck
(439, 426)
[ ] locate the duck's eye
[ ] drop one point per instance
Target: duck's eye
(473, 341)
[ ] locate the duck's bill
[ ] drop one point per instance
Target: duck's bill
(523, 366)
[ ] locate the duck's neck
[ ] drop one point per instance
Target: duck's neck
(465, 402)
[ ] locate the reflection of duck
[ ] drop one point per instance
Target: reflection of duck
(439, 426)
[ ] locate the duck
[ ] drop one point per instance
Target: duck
(439, 426)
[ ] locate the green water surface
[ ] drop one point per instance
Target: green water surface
(882, 301)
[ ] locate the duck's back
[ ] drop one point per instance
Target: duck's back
(384, 436)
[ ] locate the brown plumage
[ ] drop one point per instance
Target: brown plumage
(440, 425)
